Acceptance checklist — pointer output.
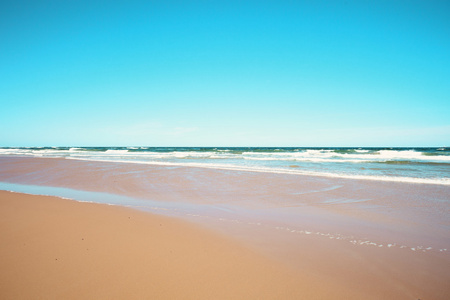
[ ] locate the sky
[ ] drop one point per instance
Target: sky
(225, 73)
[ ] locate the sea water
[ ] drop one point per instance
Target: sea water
(415, 165)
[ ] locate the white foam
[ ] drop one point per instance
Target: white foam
(310, 155)
(358, 157)
(112, 151)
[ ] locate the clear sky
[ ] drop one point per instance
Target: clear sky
(224, 73)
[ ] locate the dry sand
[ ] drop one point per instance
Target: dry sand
(54, 248)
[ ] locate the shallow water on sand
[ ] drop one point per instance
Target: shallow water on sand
(380, 214)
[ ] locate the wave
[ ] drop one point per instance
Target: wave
(417, 164)
(338, 155)
(353, 157)
(116, 151)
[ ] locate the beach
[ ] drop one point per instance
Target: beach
(59, 249)
(196, 233)
(225, 150)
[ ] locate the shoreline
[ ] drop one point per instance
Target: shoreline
(293, 171)
(411, 207)
(242, 206)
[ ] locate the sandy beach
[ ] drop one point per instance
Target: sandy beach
(59, 249)
(240, 237)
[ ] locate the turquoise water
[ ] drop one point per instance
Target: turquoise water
(417, 165)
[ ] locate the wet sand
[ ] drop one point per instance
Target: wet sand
(345, 238)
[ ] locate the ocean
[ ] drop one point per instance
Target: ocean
(413, 165)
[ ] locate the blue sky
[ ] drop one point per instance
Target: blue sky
(224, 73)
